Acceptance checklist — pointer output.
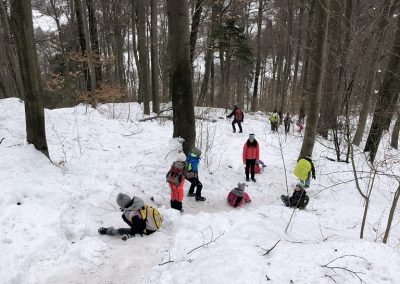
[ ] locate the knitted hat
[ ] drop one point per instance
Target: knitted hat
(251, 136)
(123, 200)
(181, 157)
(137, 203)
(241, 186)
(196, 151)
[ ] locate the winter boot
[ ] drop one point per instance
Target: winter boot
(200, 198)
(253, 179)
(190, 194)
(285, 200)
(102, 231)
(247, 179)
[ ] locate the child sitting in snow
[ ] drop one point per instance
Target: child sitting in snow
(299, 198)
(176, 181)
(141, 218)
(237, 196)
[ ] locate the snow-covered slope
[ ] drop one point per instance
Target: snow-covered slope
(50, 213)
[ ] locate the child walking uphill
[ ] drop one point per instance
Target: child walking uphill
(303, 169)
(141, 218)
(192, 174)
(176, 181)
(238, 113)
(251, 154)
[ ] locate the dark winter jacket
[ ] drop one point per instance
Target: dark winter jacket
(237, 112)
(298, 198)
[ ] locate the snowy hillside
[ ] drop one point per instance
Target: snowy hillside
(50, 213)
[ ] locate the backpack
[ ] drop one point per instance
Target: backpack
(238, 114)
(176, 172)
(152, 217)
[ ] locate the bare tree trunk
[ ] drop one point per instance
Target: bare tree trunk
(385, 106)
(198, 9)
(11, 54)
(395, 134)
(62, 48)
(379, 35)
(258, 60)
(118, 44)
(134, 48)
(155, 73)
(180, 80)
(21, 17)
(391, 214)
(297, 58)
(316, 68)
(143, 55)
(89, 57)
(306, 61)
(82, 40)
(94, 40)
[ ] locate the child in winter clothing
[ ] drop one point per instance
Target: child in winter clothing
(274, 120)
(287, 121)
(299, 198)
(176, 181)
(238, 114)
(251, 154)
(237, 196)
(135, 215)
(303, 169)
(192, 174)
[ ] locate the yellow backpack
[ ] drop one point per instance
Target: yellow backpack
(152, 217)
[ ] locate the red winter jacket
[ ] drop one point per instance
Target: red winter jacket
(251, 151)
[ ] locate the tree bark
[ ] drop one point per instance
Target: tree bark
(387, 98)
(10, 52)
(143, 55)
(82, 40)
(198, 9)
(155, 73)
(258, 59)
(379, 35)
(94, 40)
(316, 68)
(394, 142)
(21, 17)
(391, 215)
(118, 40)
(180, 75)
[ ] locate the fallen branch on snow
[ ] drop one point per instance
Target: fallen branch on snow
(343, 268)
(169, 261)
(211, 241)
(267, 251)
(2, 140)
(170, 118)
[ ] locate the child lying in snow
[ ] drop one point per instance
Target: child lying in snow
(299, 198)
(237, 196)
(141, 218)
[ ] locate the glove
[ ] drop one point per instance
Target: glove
(127, 236)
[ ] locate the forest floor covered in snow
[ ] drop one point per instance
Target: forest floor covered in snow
(50, 212)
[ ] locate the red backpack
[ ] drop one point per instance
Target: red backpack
(176, 172)
(238, 114)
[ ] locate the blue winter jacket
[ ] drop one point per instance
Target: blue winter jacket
(193, 163)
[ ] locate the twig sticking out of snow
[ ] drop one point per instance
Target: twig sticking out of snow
(1, 141)
(267, 251)
(211, 241)
(169, 260)
(343, 268)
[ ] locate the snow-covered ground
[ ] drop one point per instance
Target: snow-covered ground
(50, 213)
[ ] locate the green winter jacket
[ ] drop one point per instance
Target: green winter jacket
(274, 117)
